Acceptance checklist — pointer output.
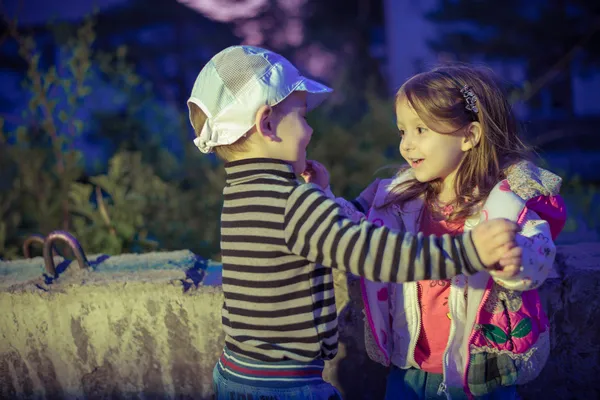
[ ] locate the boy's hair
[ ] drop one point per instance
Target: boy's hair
(436, 97)
(225, 152)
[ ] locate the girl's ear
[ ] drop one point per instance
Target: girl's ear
(472, 136)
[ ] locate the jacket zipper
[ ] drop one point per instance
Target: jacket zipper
(443, 388)
(468, 361)
(419, 325)
(418, 308)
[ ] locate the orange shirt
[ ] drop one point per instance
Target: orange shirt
(433, 301)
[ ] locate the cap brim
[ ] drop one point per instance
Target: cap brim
(317, 92)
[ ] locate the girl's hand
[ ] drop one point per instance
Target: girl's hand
(316, 173)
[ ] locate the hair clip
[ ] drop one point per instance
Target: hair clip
(470, 99)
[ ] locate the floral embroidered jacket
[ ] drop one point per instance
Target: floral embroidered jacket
(499, 334)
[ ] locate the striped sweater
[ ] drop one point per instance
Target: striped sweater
(279, 241)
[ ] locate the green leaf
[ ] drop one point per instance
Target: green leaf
(522, 329)
(35, 60)
(78, 124)
(83, 91)
(3, 135)
(52, 105)
(122, 51)
(33, 103)
(2, 235)
(113, 244)
(125, 230)
(66, 83)
(21, 134)
(494, 333)
(62, 116)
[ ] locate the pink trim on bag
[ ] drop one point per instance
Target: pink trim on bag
(551, 209)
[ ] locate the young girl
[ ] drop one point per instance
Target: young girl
(477, 336)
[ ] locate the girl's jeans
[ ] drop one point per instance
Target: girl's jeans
(415, 384)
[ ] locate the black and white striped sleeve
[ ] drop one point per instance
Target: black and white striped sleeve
(317, 229)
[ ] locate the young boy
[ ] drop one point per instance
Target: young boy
(280, 238)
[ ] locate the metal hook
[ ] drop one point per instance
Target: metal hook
(37, 238)
(29, 241)
(73, 244)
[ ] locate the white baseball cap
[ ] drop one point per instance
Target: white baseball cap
(235, 83)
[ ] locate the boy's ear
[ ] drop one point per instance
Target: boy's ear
(472, 136)
(264, 121)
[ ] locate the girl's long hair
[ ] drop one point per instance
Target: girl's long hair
(436, 97)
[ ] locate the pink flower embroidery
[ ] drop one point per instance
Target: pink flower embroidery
(447, 210)
(382, 294)
(378, 222)
(485, 215)
(526, 281)
(505, 186)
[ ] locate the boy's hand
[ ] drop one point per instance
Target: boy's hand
(316, 173)
(510, 264)
(496, 246)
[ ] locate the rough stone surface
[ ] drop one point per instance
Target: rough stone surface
(148, 327)
(571, 300)
(134, 327)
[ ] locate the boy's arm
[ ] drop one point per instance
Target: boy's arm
(349, 209)
(539, 252)
(317, 229)
(354, 210)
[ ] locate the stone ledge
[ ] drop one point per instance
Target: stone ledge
(149, 325)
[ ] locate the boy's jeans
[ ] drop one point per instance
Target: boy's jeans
(415, 384)
(229, 384)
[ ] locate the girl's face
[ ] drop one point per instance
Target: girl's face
(431, 154)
